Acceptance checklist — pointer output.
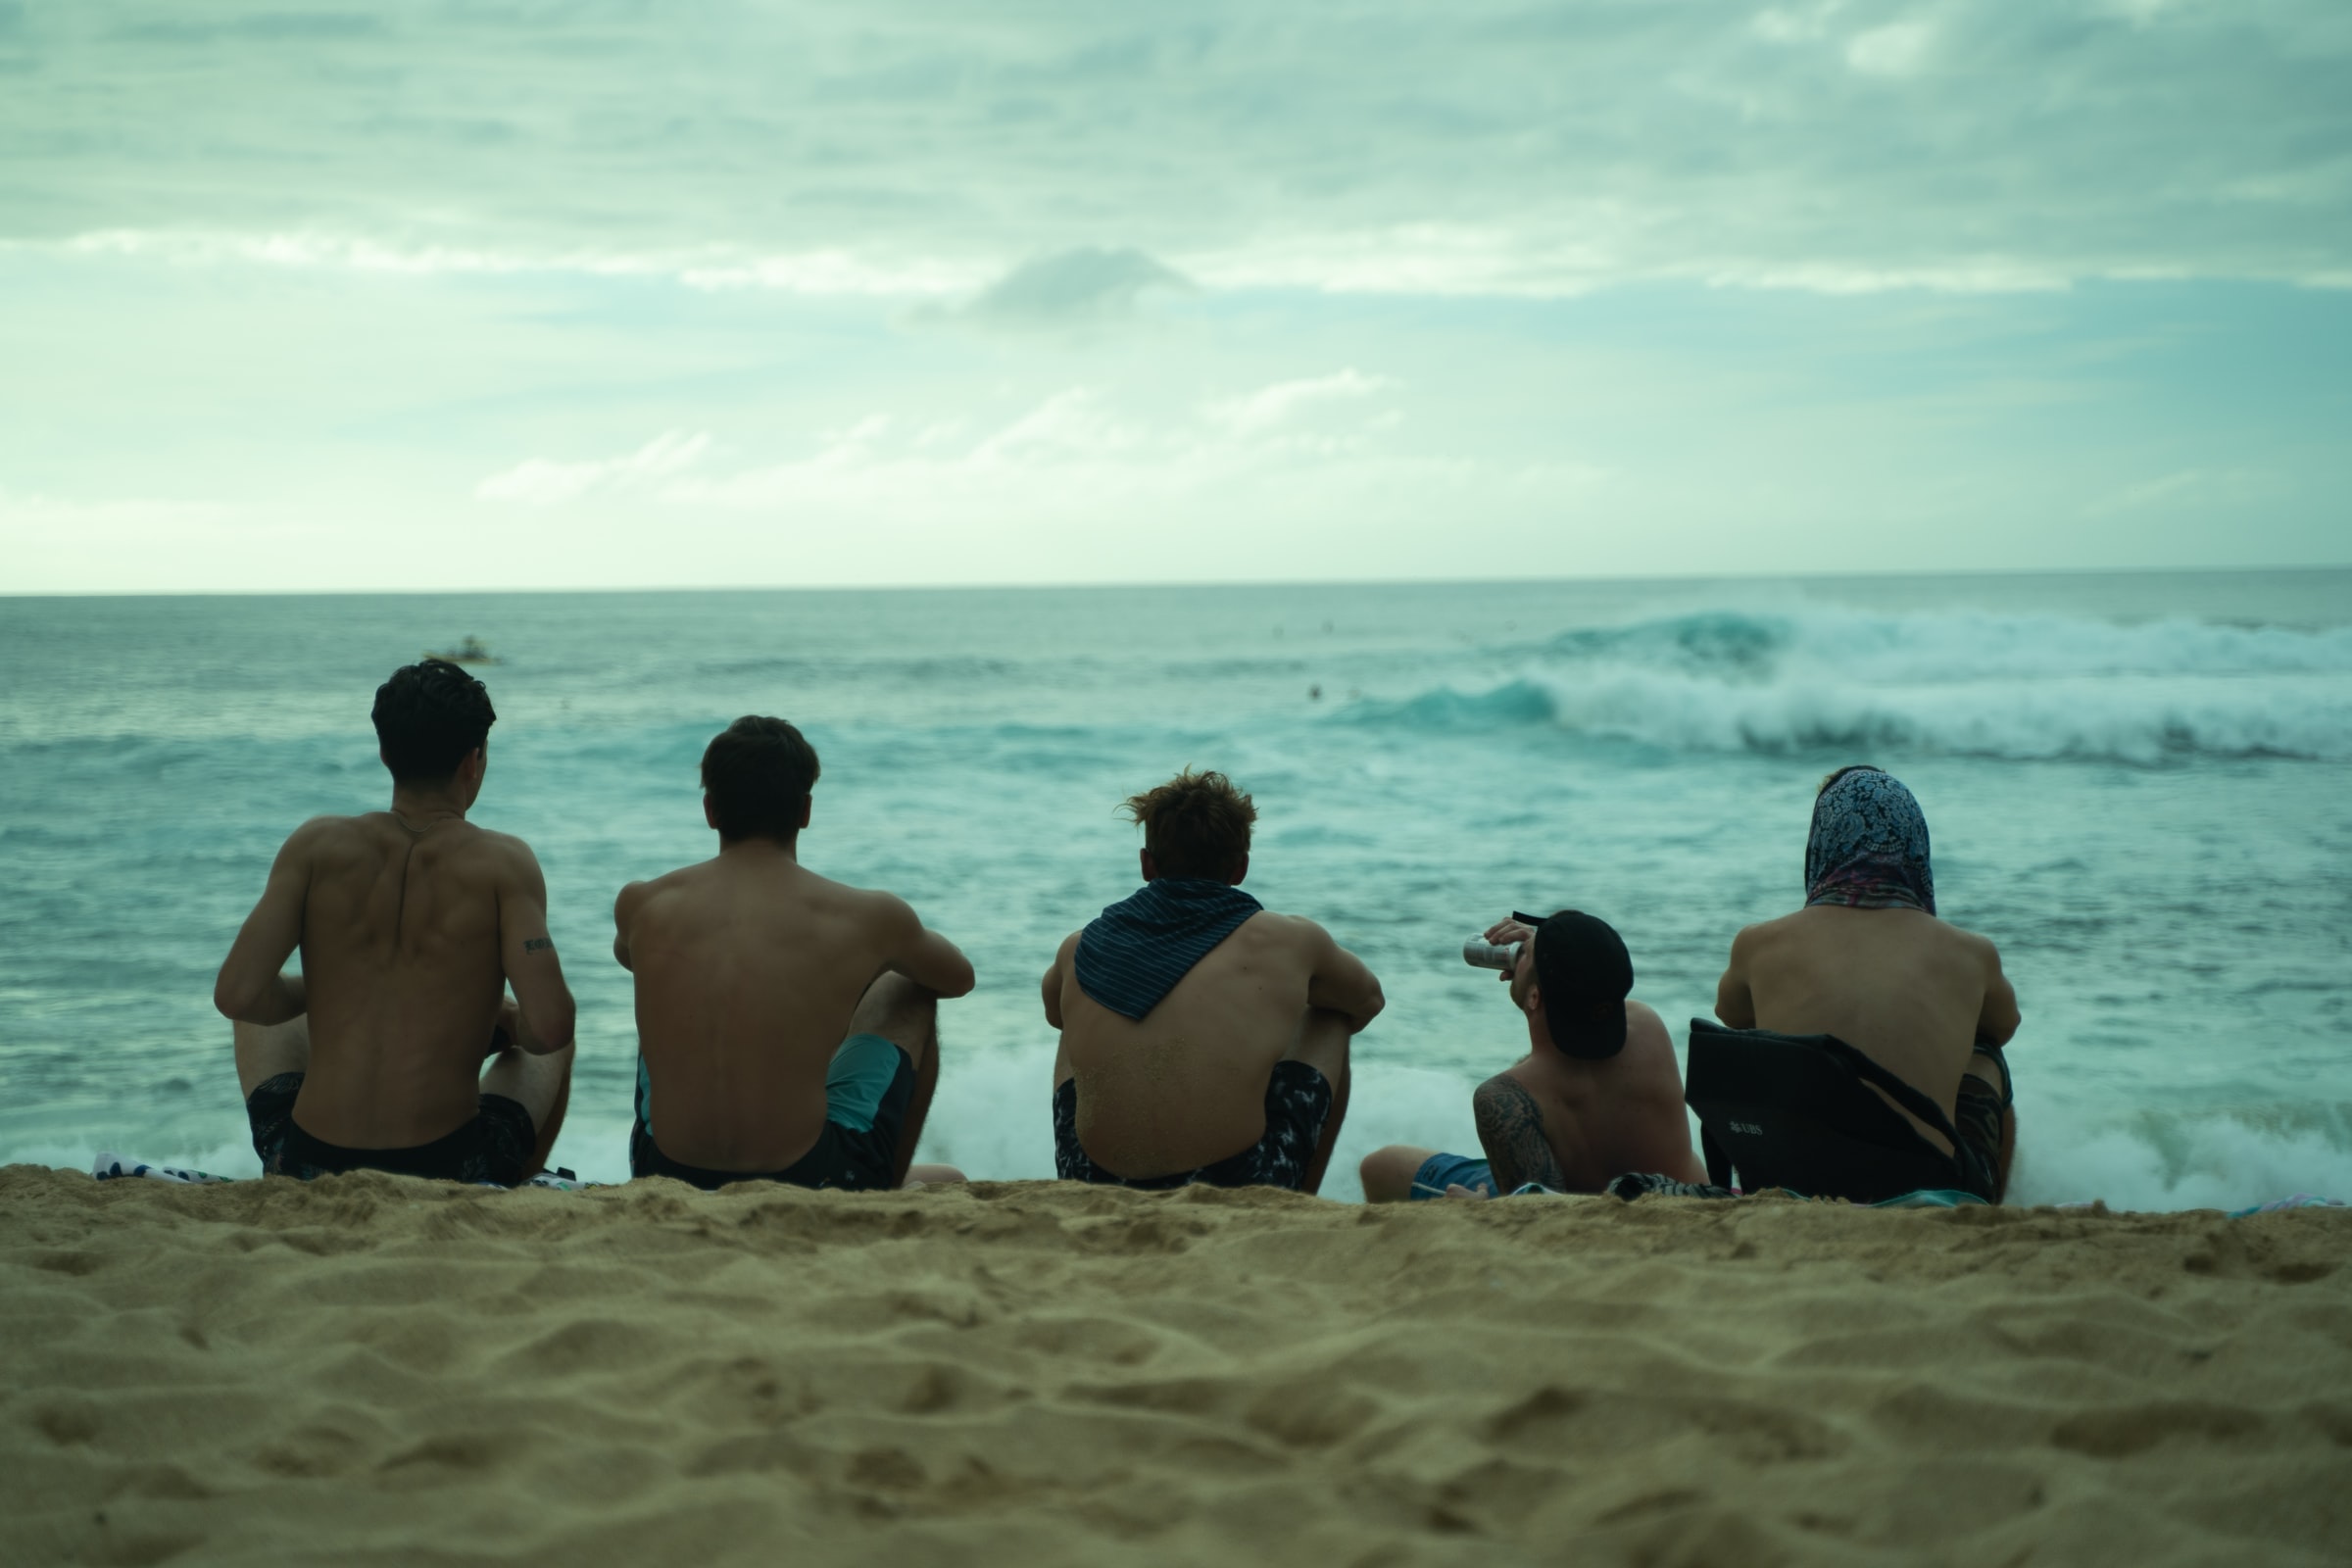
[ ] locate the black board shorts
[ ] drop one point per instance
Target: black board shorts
(867, 1092)
(1298, 1103)
(495, 1148)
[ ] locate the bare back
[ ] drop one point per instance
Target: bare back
(1910, 991)
(1594, 1119)
(1185, 1085)
(403, 938)
(749, 969)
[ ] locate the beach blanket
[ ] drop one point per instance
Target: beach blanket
(110, 1166)
(1133, 954)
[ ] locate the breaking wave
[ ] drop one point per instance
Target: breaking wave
(2010, 686)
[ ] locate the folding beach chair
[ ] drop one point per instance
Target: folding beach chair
(1793, 1111)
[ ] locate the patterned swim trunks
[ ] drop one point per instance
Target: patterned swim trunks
(1298, 1103)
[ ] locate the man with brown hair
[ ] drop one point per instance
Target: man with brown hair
(412, 922)
(1203, 1036)
(787, 1024)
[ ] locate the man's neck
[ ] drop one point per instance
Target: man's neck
(758, 848)
(421, 809)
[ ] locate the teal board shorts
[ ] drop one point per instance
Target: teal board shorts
(867, 1090)
(1441, 1171)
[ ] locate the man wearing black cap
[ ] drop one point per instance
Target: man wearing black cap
(1597, 1094)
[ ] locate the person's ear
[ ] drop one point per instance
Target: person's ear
(1532, 999)
(1150, 866)
(1241, 869)
(710, 813)
(806, 801)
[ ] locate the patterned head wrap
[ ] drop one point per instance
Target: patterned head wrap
(1869, 846)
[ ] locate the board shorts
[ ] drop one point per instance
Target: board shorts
(1298, 1103)
(1977, 1118)
(1441, 1171)
(496, 1148)
(868, 1089)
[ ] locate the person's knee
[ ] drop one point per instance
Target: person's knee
(1323, 1044)
(900, 1012)
(1387, 1175)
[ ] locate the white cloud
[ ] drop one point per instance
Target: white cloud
(1071, 445)
(2225, 487)
(901, 150)
(538, 482)
(1894, 50)
(1261, 411)
(834, 273)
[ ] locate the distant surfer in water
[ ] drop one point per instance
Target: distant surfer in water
(1867, 962)
(412, 922)
(1204, 1038)
(787, 1024)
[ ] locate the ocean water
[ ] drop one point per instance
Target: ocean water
(2140, 787)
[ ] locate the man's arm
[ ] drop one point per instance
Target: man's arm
(1734, 1004)
(923, 955)
(1052, 985)
(528, 952)
(1510, 1129)
(1341, 984)
(624, 915)
(1996, 1023)
(250, 987)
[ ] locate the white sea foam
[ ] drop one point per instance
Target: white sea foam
(2003, 686)
(2213, 1162)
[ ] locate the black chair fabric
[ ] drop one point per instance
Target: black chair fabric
(1793, 1112)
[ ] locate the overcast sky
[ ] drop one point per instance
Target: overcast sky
(542, 295)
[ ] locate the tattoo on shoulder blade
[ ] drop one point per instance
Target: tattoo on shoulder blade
(1510, 1125)
(539, 944)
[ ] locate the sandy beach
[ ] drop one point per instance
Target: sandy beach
(371, 1369)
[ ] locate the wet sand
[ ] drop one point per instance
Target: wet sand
(371, 1369)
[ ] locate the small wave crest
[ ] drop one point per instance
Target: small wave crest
(2026, 687)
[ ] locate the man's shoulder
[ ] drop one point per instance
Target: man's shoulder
(1979, 946)
(849, 900)
(1776, 925)
(336, 839)
(489, 841)
(1272, 925)
(325, 829)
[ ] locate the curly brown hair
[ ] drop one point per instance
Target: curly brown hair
(1196, 824)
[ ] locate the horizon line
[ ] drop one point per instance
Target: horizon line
(1104, 584)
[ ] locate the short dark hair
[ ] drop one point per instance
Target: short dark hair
(430, 717)
(1196, 824)
(758, 774)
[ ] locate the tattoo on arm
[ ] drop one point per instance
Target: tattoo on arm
(1510, 1127)
(539, 944)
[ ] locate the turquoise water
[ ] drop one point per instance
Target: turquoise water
(2140, 787)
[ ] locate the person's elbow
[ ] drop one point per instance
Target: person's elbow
(236, 998)
(549, 1029)
(954, 979)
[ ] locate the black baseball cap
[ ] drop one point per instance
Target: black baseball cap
(1582, 965)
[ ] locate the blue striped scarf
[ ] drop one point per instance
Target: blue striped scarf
(1133, 951)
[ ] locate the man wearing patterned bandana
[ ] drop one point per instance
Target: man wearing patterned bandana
(1867, 961)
